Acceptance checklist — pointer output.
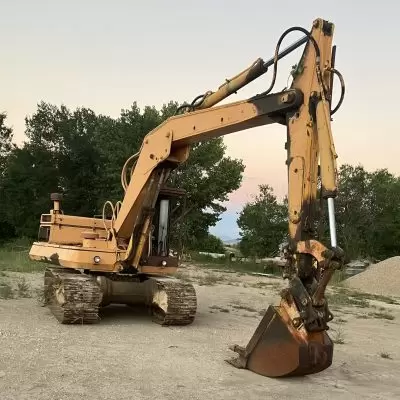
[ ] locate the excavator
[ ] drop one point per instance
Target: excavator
(125, 258)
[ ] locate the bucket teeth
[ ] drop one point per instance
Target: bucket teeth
(278, 349)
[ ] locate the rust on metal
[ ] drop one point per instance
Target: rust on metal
(314, 248)
(291, 339)
(168, 191)
(278, 349)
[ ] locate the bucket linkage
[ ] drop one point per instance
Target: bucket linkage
(292, 339)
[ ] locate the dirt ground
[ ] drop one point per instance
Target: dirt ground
(127, 356)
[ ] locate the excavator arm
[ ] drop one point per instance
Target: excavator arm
(305, 109)
(291, 338)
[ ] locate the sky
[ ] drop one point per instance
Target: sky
(106, 55)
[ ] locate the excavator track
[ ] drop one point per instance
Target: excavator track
(72, 297)
(173, 302)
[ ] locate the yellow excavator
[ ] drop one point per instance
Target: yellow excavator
(126, 258)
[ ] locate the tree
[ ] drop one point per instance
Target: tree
(384, 237)
(263, 223)
(368, 212)
(81, 154)
(6, 147)
(6, 144)
(58, 156)
(69, 140)
(208, 176)
(352, 207)
(211, 244)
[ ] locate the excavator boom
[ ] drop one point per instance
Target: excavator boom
(121, 260)
(291, 339)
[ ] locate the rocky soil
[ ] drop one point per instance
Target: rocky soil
(127, 356)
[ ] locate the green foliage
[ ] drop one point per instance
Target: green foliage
(210, 244)
(367, 216)
(368, 212)
(6, 147)
(14, 257)
(263, 223)
(226, 265)
(81, 155)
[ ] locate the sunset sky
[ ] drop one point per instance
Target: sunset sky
(106, 55)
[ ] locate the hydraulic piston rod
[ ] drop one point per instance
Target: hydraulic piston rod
(332, 223)
(258, 68)
(286, 51)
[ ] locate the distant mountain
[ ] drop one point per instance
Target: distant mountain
(230, 241)
(224, 238)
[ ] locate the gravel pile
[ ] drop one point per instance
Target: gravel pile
(382, 278)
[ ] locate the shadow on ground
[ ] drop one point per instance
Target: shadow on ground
(125, 315)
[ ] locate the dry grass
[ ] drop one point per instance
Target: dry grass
(382, 315)
(210, 280)
(224, 265)
(221, 309)
(383, 299)
(240, 306)
(264, 285)
(338, 337)
(14, 256)
(341, 293)
(23, 289)
(249, 315)
(378, 315)
(183, 277)
(9, 291)
(344, 298)
(40, 297)
(6, 291)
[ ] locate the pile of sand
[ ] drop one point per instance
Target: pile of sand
(382, 278)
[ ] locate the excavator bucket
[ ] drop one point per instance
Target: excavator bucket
(278, 349)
